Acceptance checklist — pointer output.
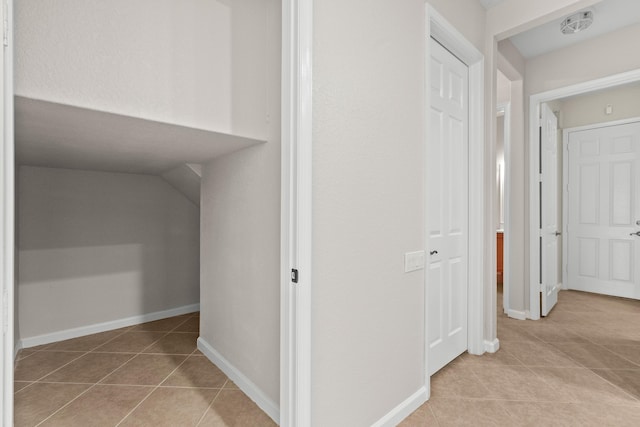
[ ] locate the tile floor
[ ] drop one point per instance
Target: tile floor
(580, 366)
(146, 375)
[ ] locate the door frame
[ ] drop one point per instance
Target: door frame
(505, 109)
(7, 221)
(448, 36)
(534, 164)
(565, 188)
(296, 186)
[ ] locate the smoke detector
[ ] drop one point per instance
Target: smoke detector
(577, 22)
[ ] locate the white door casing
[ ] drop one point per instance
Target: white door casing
(7, 222)
(603, 210)
(550, 229)
(448, 214)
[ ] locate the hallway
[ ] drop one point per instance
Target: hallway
(580, 366)
(145, 375)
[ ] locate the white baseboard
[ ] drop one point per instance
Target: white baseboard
(515, 314)
(492, 346)
(105, 326)
(403, 410)
(16, 349)
(244, 383)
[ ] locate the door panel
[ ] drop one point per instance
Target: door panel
(447, 213)
(604, 205)
(549, 201)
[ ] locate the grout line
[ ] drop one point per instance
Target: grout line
(154, 389)
(204, 414)
(84, 392)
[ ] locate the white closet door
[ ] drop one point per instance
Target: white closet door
(604, 210)
(447, 263)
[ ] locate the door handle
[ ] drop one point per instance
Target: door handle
(637, 233)
(557, 233)
(435, 252)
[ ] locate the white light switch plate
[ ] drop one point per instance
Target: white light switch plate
(413, 261)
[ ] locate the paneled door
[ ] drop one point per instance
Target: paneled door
(604, 210)
(550, 230)
(447, 210)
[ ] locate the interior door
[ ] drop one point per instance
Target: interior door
(604, 210)
(447, 151)
(550, 230)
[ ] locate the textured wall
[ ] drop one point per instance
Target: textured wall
(240, 201)
(96, 247)
(165, 60)
(368, 203)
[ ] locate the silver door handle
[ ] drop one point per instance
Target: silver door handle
(637, 233)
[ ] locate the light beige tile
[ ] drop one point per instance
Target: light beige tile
(42, 363)
(457, 380)
(25, 353)
(197, 371)
(594, 356)
(175, 343)
(162, 325)
(421, 417)
(171, 407)
(234, 408)
(629, 352)
(467, 412)
(515, 383)
(549, 414)
(581, 385)
(90, 368)
(40, 400)
(626, 380)
(191, 325)
(85, 343)
(231, 385)
(508, 332)
(501, 357)
(538, 353)
(103, 405)
(131, 342)
(20, 385)
(145, 369)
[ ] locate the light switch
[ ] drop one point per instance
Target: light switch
(413, 261)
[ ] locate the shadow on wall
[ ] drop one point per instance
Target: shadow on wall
(96, 247)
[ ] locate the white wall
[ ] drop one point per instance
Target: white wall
(368, 203)
(240, 223)
(164, 60)
(97, 247)
(590, 108)
(603, 56)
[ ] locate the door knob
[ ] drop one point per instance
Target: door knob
(637, 233)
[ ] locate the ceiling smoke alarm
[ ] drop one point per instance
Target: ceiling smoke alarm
(577, 22)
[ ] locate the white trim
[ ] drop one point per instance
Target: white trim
(517, 314)
(492, 346)
(7, 223)
(243, 383)
(534, 197)
(565, 188)
(105, 326)
(403, 410)
(295, 299)
(505, 108)
(447, 35)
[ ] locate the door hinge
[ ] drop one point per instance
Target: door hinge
(294, 275)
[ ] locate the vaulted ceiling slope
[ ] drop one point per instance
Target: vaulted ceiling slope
(56, 135)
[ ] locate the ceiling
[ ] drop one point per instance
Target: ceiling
(62, 136)
(609, 15)
(490, 3)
